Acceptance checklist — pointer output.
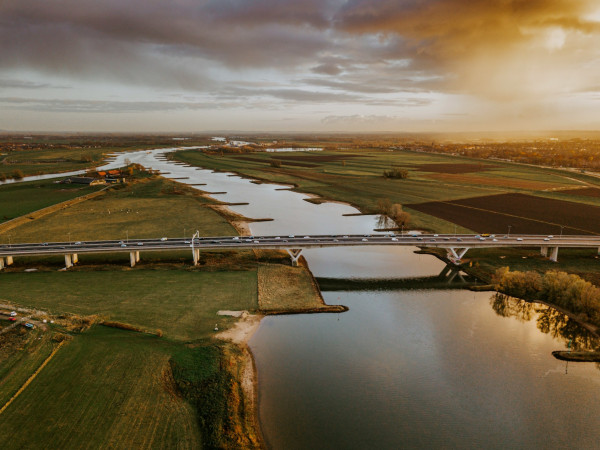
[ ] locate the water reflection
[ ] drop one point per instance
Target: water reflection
(548, 320)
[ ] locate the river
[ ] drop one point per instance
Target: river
(401, 369)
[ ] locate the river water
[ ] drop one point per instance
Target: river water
(402, 369)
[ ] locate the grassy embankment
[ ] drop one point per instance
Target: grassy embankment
(110, 372)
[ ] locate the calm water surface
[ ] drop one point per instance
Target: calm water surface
(402, 369)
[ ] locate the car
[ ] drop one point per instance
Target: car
(550, 236)
(345, 237)
(13, 313)
(163, 238)
(495, 240)
(12, 319)
(123, 245)
(141, 243)
(431, 240)
(546, 239)
(256, 242)
(419, 239)
(364, 239)
(186, 242)
(395, 239)
(446, 238)
(78, 243)
(235, 238)
(435, 235)
(306, 237)
(277, 237)
(335, 240)
(492, 235)
(519, 239)
(291, 236)
(120, 242)
(29, 325)
(214, 241)
(477, 236)
(482, 239)
(459, 239)
(485, 234)
(285, 240)
(45, 243)
(367, 235)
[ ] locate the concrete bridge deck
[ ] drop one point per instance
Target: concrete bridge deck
(456, 245)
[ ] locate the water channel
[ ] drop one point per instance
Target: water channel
(401, 369)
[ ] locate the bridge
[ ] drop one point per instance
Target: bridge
(456, 245)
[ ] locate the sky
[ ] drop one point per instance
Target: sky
(299, 66)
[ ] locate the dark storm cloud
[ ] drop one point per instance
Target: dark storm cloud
(351, 48)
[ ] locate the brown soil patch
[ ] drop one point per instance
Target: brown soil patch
(491, 181)
(453, 168)
(266, 161)
(526, 214)
(584, 192)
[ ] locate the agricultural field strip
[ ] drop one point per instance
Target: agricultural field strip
(513, 215)
(271, 242)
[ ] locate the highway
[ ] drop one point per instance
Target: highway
(300, 242)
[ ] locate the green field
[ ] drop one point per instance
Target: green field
(19, 199)
(181, 303)
(150, 207)
(105, 388)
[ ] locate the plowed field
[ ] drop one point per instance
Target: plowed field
(526, 214)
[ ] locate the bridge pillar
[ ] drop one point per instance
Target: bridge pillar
(456, 254)
(9, 260)
(68, 261)
(554, 254)
(599, 250)
(196, 255)
(544, 251)
(294, 254)
(74, 258)
(132, 259)
(137, 256)
(1, 263)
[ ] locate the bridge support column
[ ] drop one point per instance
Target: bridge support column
(599, 250)
(196, 255)
(1, 263)
(544, 251)
(456, 254)
(68, 261)
(294, 254)
(74, 258)
(554, 254)
(132, 259)
(137, 256)
(9, 260)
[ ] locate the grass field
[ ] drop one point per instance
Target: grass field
(151, 207)
(115, 391)
(181, 303)
(19, 199)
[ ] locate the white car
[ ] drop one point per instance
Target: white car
(364, 239)
(395, 239)
(13, 314)
(256, 242)
(519, 239)
(140, 243)
(163, 239)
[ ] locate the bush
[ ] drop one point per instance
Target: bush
(276, 163)
(18, 174)
(395, 173)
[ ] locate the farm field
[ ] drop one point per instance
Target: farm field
(525, 214)
(23, 198)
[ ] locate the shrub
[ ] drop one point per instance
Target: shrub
(396, 173)
(276, 163)
(18, 174)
